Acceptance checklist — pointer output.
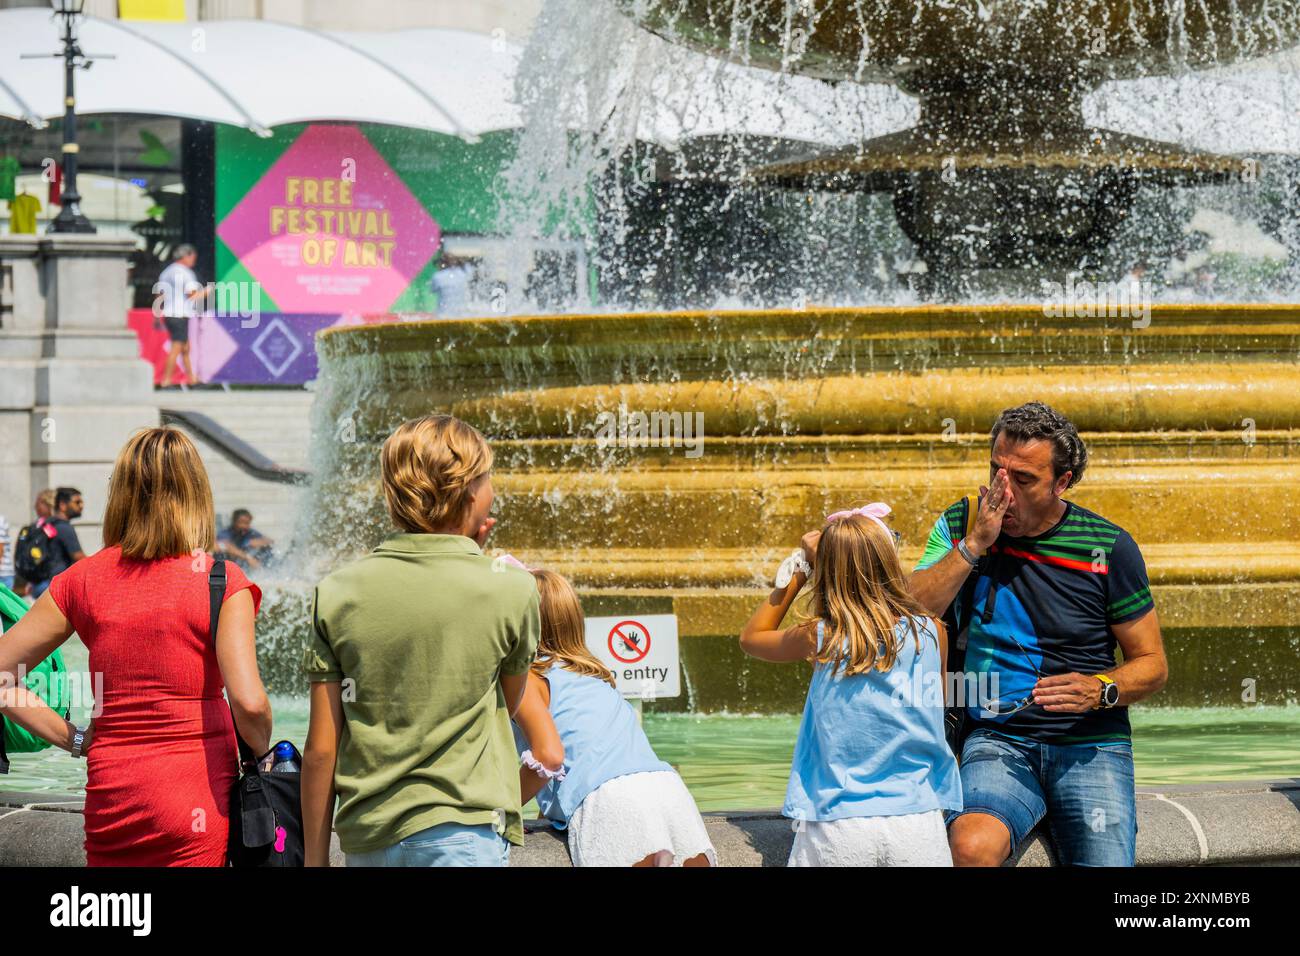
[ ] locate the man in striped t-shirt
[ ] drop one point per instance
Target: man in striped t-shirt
(1043, 591)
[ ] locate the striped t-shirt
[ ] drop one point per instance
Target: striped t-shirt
(1057, 596)
(7, 542)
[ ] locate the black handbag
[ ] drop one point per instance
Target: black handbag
(265, 808)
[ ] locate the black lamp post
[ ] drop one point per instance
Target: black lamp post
(70, 217)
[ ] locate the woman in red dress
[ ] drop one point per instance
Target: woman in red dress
(161, 752)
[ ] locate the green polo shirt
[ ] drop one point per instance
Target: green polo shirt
(419, 632)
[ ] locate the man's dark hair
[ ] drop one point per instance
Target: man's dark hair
(64, 495)
(1035, 421)
(240, 513)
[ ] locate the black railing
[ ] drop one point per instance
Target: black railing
(243, 455)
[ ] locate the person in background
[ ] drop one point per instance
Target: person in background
(178, 293)
(451, 282)
(44, 507)
(65, 546)
(244, 544)
(6, 555)
(872, 772)
(161, 755)
(587, 760)
(44, 503)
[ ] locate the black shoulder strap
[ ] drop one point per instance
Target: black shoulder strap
(216, 596)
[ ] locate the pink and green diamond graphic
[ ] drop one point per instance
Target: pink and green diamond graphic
(392, 237)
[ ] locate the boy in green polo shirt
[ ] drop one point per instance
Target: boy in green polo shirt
(418, 657)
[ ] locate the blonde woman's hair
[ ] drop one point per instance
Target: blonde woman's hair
(860, 592)
(159, 498)
(562, 630)
(428, 465)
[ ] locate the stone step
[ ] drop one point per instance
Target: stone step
(276, 423)
(1235, 824)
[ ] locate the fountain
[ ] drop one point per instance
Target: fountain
(1002, 177)
(1189, 410)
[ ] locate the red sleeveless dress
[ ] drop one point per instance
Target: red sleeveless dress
(163, 759)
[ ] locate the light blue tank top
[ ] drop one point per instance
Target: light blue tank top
(873, 745)
(602, 740)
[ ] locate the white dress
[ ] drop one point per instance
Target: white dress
(637, 815)
(910, 839)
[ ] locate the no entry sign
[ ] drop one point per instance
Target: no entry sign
(641, 650)
(629, 642)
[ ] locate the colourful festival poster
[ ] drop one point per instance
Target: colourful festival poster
(331, 227)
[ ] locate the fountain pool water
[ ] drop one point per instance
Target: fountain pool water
(742, 761)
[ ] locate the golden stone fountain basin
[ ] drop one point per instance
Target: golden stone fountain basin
(1193, 425)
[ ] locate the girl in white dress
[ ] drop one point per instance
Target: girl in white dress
(587, 760)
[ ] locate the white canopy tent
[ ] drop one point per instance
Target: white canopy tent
(254, 74)
(259, 74)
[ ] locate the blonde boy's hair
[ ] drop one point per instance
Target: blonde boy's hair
(860, 592)
(562, 630)
(159, 499)
(428, 465)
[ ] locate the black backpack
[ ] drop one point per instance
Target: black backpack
(34, 551)
(265, 808)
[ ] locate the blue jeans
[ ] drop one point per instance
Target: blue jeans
(40, 587)
(1085, 790)
(447, 844)
(7, 580)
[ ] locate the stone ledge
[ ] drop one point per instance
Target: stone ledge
(1247, 823)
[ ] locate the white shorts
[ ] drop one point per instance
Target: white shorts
(629, 818)
(912, 839)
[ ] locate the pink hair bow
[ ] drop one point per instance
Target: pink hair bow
(876, 511)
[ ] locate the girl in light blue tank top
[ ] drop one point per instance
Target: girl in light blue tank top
(587, 760)
(872, 771)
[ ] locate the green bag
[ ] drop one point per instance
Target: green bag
(49, 679)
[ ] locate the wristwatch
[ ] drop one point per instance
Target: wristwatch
(966, 552)
(792, 565)
(79, 743)
(1109, 692)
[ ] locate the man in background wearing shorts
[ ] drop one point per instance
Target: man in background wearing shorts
(178, 291)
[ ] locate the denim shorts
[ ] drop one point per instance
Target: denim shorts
(447, 844)
(1085, 791)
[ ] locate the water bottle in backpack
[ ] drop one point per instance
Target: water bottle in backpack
(285, 759)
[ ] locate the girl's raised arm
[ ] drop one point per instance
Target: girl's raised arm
(764, 638)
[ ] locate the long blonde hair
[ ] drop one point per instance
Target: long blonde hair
(860, 592)
(159, 498)
(562, 630)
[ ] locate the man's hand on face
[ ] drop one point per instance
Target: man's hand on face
(994, 502)
(1068, 693)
